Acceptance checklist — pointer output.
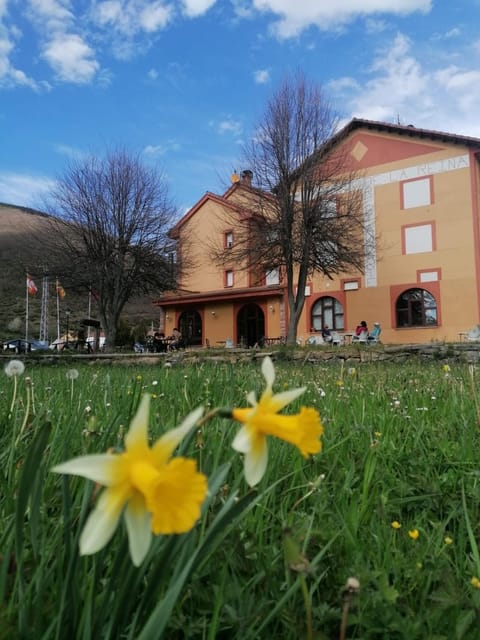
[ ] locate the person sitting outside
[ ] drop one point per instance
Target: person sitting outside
(327, 334)
(361, 332)
(177, 341)
(374, 334)
(159, 342)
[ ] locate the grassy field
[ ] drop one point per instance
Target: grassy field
(374, 537)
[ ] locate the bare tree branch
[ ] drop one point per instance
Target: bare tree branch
(306, 210)
(113, 217)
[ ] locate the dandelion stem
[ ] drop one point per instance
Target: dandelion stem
(308, 606)
(25, 417)
(14, 397)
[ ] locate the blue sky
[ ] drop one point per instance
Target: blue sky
(183, 82)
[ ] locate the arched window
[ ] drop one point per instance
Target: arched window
(327, 310)
(416, 308)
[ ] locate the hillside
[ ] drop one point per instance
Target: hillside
(23, 249)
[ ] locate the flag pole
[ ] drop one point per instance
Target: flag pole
(58, 310)
(26, 309)
(89, 309)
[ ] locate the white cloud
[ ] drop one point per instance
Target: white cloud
(10, 76)
(195, 8)
(71, 58)
(228, 125)
(402, 87)
(70, 152)
(24, 190)
(262, 76)
(296, 16)
(130, 17)
(154, 16)
(156, 150)
(152, 74)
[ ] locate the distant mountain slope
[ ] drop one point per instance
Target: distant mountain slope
(22, 250)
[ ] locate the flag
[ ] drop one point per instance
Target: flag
(60, 290)
(31, 286)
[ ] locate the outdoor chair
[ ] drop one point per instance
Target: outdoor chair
(362, 338)
(473, 335)
(337, 338)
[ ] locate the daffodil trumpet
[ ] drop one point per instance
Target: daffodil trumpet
(155, 492)
(262, 419)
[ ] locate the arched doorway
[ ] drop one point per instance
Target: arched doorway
(190, 326)
(250, 325)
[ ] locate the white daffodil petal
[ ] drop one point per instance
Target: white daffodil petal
(255, 463)
(252, 398)
(280, 400)
(103, 468)
(102, 522)
(138, 522)
(242, 441)
(166, 444)
(137, 436)
(268, 371)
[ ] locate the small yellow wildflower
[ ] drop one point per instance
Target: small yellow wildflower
(139, 378)
(414, 533)
(448, 540)
(395, 524)
(339, 383)
(261, 420)
(475, 582)
(446, 368)
(378, 434)
(155, 492)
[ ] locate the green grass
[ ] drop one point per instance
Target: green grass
(401, 443)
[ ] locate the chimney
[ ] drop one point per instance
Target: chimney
(246, 177)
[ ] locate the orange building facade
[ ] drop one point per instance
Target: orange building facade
(420, 192)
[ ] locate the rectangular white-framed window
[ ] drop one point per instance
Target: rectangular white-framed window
(351, 285)
(417, 193)
(229, 278)
(418, 238)
(229, 239)
(272, 276)
(429, 276)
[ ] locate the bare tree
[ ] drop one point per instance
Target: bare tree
(113, 217)
(306, 213)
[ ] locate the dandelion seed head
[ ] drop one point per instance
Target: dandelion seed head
(72, 374)
(14, 368)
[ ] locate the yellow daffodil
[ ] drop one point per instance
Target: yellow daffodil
(261, 420)
(155, 492)
(413, 533)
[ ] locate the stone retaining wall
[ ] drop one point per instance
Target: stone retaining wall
(444, 352)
